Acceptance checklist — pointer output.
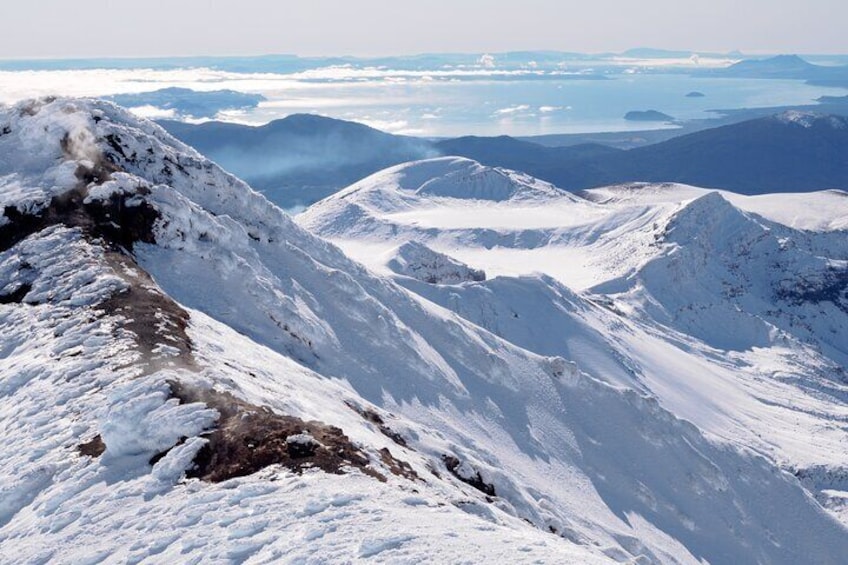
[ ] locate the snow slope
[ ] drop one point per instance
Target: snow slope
(189, 376)
(730, 309)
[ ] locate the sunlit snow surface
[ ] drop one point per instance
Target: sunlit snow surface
(680, 292)
(606, 433)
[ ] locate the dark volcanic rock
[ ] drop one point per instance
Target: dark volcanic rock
(468, 476)
(249, 438)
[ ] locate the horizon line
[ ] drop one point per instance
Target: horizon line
(735, 53)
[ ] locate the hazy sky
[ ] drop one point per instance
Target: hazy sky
(100, 28)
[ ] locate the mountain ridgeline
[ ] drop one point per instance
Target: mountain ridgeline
(303, 158)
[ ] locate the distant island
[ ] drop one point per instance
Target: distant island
(781, 66)
(695, 94)
(647, 116)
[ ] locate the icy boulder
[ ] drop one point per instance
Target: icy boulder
(418, 261)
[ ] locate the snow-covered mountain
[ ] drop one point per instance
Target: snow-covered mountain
(730, 309)
(189, 376)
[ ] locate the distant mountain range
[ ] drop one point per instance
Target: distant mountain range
(786, 67)
(304, 158)
(789, 152)
(538, 160)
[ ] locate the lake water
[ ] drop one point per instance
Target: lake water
(528, 107)
(438, 103)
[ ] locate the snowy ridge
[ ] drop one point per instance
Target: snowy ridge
(763, 276)
(61, 392)
(458, 177)
(811, 211)
(411, 183)
(125, 424)
(198, 321)
(43, 148)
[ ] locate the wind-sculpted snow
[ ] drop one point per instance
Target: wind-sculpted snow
(489, 452)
